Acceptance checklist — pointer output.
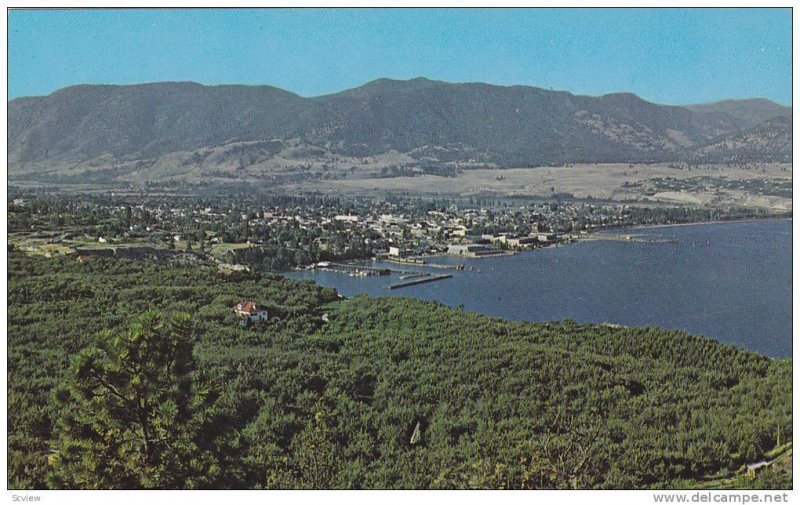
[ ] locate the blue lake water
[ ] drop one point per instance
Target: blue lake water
(730, 281)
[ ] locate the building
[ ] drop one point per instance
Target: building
(472, 250)
(500, 239)
(248, 310)
(459, 231)
(394, 251)
(521, 242)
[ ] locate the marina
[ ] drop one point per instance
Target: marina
(417, 261)
(352, 269)
(642, 283)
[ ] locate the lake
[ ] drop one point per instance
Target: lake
(728, 281)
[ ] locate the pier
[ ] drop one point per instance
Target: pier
(427, 278)
(406, 261)
(633, 238)
(351, 269)
(414, 275)
(422, 262)
(458, 267)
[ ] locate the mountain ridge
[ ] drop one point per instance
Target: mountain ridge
(421, 79)
(473, 123)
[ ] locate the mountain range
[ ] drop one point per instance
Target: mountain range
(161, 130)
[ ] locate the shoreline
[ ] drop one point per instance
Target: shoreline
(695, 223)
(466, 286)
(574, 241)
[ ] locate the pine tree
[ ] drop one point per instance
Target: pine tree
(132, 412)
(315, 455)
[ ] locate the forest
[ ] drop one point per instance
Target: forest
(128, 375)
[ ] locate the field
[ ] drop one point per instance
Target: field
(766, 186)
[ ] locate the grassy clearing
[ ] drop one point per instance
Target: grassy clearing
(722, 185)
(225, 247)
(43, 248)
(49, 247)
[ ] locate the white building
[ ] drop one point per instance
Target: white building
(249, 309)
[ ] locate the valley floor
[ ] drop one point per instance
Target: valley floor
(767, 186)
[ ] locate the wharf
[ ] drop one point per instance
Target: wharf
(351, 269)
(429, 278)
(633, 238)
(405, 261)
(414, 275)
(458, 267)
(422, 262)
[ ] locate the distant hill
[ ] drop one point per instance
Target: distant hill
(145, 120)
(769, 141)
(147, 130)
(750, 111)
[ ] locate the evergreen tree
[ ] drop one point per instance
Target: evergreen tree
(132, 411)
(316, 456)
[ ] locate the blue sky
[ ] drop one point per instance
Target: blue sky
(674, 56)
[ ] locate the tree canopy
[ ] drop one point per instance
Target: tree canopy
(137, 375)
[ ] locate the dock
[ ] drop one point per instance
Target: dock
(422, 262)
(458, 267)
(351, 269)
(414, 275)
(406, 261)
(428, 278)
(634, 239)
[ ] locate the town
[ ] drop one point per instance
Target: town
(240, 231)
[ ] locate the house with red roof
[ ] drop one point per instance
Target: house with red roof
(248, 309)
